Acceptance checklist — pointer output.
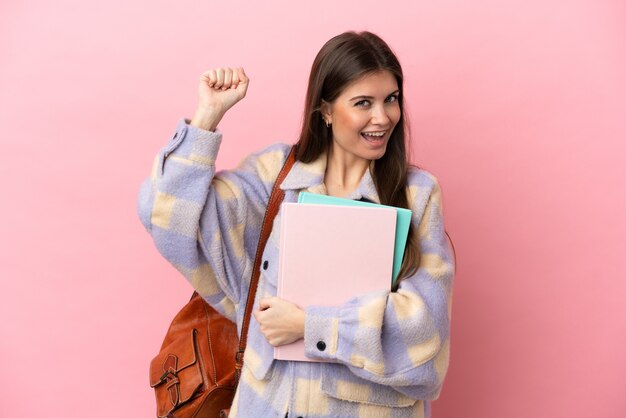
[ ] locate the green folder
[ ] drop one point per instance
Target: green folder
(403, 221)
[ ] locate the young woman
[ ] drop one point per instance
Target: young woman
(385, 354)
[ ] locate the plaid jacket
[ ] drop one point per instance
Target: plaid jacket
(389, 350)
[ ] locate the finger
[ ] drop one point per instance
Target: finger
(242, 75)
(244, 81)
(228, 78)
(235, 81)
(209, 77)
(220, 78)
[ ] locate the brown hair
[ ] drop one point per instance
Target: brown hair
(342, 60)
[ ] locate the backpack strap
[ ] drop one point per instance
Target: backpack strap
(276, 198)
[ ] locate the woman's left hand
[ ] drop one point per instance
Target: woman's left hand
(281, 321)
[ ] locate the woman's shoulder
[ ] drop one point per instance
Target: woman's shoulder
(266, 162)
(420, 177)
(274, 150)
(421, 184)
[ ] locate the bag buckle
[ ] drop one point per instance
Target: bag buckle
(170, 371)
(239, 359)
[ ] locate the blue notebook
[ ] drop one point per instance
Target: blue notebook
(403, 222)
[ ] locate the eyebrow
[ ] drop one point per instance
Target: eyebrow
(371, 97)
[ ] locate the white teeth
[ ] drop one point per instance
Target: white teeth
(373, 133)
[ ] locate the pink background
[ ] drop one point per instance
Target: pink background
(518, 107)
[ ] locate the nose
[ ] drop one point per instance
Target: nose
(380, 116)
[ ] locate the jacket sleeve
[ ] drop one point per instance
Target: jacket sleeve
(206, 224)
(398, 339)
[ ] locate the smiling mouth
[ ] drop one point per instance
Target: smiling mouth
(374, 136)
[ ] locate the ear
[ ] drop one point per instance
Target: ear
(326, 110)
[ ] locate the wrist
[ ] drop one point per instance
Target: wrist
(301, 317)
(206, 119)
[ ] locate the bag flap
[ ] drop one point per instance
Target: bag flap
(175, 373)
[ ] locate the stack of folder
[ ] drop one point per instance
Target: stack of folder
(333, 249)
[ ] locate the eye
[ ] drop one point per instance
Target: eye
(362, 103)
(392, 98)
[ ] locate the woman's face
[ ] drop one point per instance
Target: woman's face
(363, 116)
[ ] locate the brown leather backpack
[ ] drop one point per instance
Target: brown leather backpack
(196, 373)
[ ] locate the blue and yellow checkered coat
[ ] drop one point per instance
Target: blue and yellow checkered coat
(389, 349)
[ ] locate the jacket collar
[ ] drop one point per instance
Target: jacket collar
(310, 177)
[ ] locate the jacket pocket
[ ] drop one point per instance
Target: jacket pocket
(340, 383)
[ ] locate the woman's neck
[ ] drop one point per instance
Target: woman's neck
(343, 172)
